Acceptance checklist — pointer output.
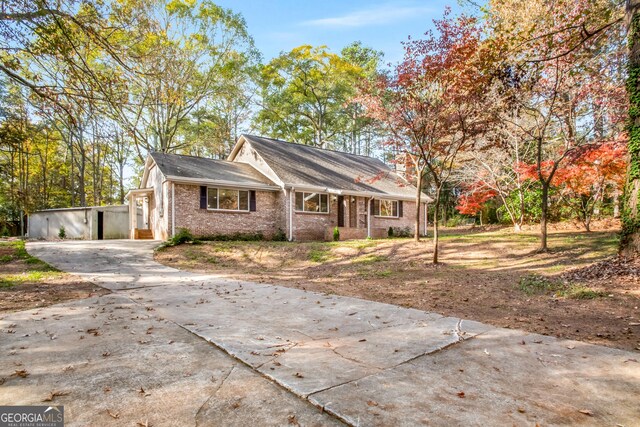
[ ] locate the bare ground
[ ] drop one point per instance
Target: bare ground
(480, 277)
(26, 282)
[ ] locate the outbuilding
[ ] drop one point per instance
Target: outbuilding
(90, 223)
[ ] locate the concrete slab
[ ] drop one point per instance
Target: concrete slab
(369, 363)
(110, 361)
(502, 376)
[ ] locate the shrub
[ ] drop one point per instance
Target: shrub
(62, 233)
(390, 232)
(5, 231)
(279, 236)
(182, 236)
(336, 234)
(240, 237)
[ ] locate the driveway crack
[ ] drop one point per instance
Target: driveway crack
(213, 393)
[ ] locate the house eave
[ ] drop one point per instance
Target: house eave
(369, 194)
(222, 183)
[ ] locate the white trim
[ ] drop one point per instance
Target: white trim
(229, 210)
(319, 200)
(387, 216)
(173, 209)
(383, 196)
(223, 184)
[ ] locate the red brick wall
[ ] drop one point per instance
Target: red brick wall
(272, 214)
(203, 222)
(312, 226)
(407, 220)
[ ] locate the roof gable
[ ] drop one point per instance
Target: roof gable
(304, 166)
(175, 166)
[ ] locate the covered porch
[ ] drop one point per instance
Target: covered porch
(139, 229)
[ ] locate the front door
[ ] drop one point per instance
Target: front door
(340, 211)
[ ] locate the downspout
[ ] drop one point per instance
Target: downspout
(369, 217)
(291, 191)
(173, 209)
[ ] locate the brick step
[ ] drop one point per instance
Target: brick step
(143, 234)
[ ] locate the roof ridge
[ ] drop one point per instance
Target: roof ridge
(190, 155)
(311, 146)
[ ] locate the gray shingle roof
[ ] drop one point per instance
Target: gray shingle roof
(303, 165)
(208, 169)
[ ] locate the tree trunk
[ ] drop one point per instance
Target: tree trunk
(416, 236)
(436, 209)
(543, 217)
(630, 234)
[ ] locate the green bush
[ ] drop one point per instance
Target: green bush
(279, 236)
(182, 236)
(235, 237)
(5, 231)
(390, 232)
(62, 233)
(336, 234)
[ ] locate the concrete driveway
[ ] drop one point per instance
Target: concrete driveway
(283, 356)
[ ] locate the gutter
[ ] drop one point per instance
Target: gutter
(229, 184)
(371, 194)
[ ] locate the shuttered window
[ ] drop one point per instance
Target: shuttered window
(312, 202)
(226, 199)
(386, 208)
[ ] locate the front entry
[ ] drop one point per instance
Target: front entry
(100, 225)
(340, 211)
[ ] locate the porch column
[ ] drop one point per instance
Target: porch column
(132, 216)
(369, 217)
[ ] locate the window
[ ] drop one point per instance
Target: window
(312, 202)
(227, 200)
(387, 208)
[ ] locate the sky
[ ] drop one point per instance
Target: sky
(280, 25)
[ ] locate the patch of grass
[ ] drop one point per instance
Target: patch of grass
(582, 292)
(383, 273)
(29, 276)
(5, 258)
(318, 255)
(369, 259)
(533, 284)
(356, 244)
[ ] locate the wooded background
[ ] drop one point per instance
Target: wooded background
(520, 111)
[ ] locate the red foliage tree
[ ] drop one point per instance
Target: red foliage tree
(430, 104)
(472, 201)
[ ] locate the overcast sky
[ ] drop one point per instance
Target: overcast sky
(280, 25)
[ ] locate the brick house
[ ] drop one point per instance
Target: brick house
(271, 186)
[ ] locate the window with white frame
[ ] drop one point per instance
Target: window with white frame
(312, 202)
(388, 208)
(227, 200)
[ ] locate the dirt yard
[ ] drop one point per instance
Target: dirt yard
(26, 282)
(577, 290)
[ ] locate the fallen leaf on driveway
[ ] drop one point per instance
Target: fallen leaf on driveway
(571, 347)
(461, 394)
(586, 412)
(292, 420)
(144, 424)
(372, 403)
(298, 375)
(113, 415)
(22, 373)
(54, 394)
